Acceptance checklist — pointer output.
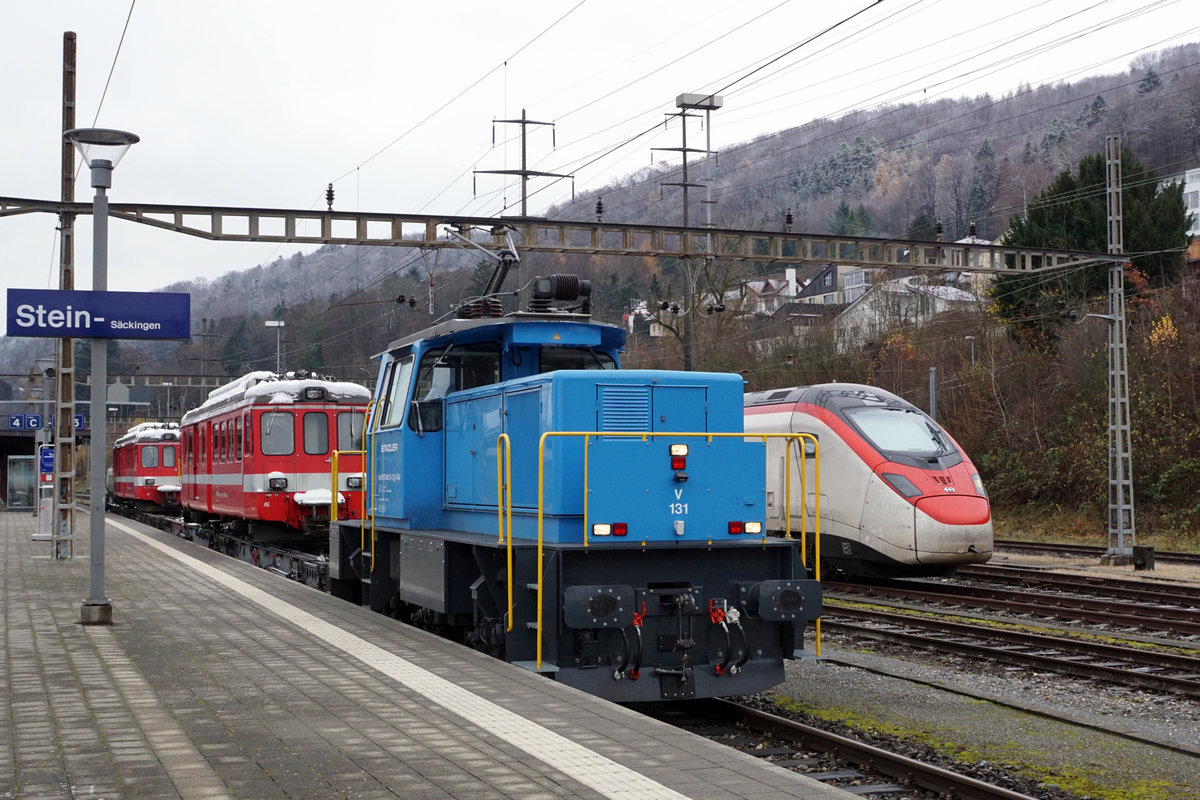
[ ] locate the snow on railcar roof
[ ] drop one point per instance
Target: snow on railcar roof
(150, 432)
(267, 387)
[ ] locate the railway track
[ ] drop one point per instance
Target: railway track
(1159, 670)
(1166, 594)
(1133, 633)
(1087, 551)
(832, 758)
(1110, 614)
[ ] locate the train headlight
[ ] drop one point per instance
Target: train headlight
(679, 453)
(149, 481)
(610, 529)
(314, 393)
(277, 484)
(901, 484)
(753, 528)
(975, 479)
(354, 482)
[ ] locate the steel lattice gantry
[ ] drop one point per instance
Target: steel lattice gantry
(536, 235)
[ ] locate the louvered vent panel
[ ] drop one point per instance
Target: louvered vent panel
(624, 408)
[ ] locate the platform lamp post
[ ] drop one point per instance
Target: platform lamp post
(277, 324)
(102, 149)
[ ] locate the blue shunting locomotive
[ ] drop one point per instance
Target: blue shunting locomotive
(604, 527)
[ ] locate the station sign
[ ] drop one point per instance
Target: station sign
(62, 313)
(46, 459)
(33, 422)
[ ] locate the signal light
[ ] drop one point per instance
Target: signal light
(901, 484)
(679, 454)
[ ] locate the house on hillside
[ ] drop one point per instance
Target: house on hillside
(1191, 202)
(816, 284)
(910, 301)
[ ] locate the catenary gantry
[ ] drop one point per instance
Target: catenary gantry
(534, 235)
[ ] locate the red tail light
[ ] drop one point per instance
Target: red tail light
(735, 527)
(620, 529)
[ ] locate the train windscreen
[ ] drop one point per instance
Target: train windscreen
(895, 430)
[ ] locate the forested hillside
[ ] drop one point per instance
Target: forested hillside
(1032, 415)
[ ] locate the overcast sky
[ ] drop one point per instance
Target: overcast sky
(262, 103)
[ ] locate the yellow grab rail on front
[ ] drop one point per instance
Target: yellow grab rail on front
(503, 509)
(588, 435)
(333, 476)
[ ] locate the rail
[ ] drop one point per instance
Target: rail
(503, 509)
(589, 435)
(333, 479)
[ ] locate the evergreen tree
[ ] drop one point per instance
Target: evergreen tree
(1072, 214)
(922, 227)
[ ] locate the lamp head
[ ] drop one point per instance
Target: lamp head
(102, 149)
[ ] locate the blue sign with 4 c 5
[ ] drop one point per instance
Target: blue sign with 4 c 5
(60, 313)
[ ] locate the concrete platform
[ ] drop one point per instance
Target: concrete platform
(218, 679)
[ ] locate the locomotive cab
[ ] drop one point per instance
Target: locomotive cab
(602, 526)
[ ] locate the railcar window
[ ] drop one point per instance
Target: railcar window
(350, 430)
(249, 438)
(316, 433)
(238, 426)
(450, 369)
(395, 395)
(554, 358)
(898, 431)
(149, 455)
(168, 456)
(278, 433)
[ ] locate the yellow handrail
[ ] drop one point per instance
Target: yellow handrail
(333, 474)
(503, 505)
(587, 436)
(373, 423)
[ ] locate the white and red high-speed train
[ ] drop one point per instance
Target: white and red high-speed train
(898, 497)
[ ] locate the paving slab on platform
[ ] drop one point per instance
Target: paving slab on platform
(218, 679)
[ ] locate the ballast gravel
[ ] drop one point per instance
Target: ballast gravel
(1057, 736)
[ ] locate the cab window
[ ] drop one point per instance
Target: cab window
(395, 394)
(150, 455)
(316, 433)
(554, 358)
(278, 433)
(450, 369)
(350, 430)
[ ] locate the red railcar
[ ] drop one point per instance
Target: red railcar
(258, 454)
(145, 467)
